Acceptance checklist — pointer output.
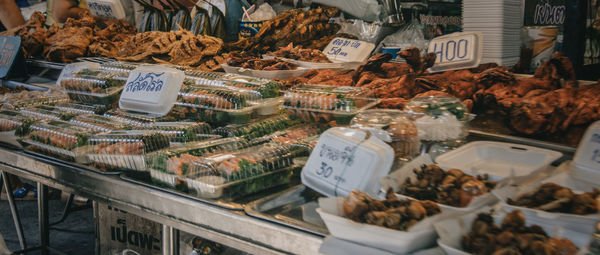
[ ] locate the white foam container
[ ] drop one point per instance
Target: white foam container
(582, 223)
(152, 102)
(452, 230)
(269, 74)
(370, 145)
(499, 160)
(419, 236)
(396, 179)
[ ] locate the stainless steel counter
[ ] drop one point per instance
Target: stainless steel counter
(230, 228)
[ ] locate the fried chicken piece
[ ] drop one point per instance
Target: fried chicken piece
(33, 34)
(556, 68)
(544, 113)
(393, 103)
(67, 44)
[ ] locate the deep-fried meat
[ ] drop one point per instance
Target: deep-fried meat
(67, 44)
(33, 34)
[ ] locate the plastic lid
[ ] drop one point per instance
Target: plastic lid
(394, 122)
(436, 106)
(151, 89)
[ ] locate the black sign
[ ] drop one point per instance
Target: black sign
(545, 12)
(10, 55)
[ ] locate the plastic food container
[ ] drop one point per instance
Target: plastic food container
(267, 74)
(393, 127)
(582, 223)
(80, 108)
(232, 175)
(47, 113)
(327, 103)
(93, 86)
(125, 150)
(419, 236)
(183, 132)
(452, 230)
(13, 125)
(499, 160)
(60, 140)
(257, 128)
(97, 123)
(215, 105)
(439, 118)
(33, 98)
(170, 165)
(123, 69)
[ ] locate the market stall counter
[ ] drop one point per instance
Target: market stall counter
(231, 228)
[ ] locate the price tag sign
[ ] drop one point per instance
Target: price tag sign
(346, 159)
(107, 8)
(10, 48)
(151, 89)
(588, 152)
(456, 51)
(348, 50)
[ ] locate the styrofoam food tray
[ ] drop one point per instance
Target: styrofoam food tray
(419, 236)
(274, 74)
(396, 179)
(452, 230)
(498, 160)
(581, 223)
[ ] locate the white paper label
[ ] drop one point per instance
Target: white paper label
(456, 51)
(339, 165)
(348, 50)
(588, 152)
(106, 8)
(151, 89)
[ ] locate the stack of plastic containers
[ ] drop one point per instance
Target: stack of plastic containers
(500, 22)
(231, 175)
(125, 150)
(315, 103)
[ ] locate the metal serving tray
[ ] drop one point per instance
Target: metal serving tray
(294, 207)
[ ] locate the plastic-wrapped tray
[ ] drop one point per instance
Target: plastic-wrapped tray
(125, 149)
(257, 128)
(59, 139)
(231, 175)
(183, 132)
(168, 166)
(327, 103)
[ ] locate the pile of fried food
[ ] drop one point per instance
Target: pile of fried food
(77, 38)
(555, 198)
(452, 187)
(546, 103)
(17, 89)
(390, 213)
(255, 63)
(298, 53)
(310, 29)
(513, 237)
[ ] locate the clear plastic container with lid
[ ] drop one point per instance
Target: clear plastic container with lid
(94, 86)
(439, 118)
(327, 103)
(394, 127)
(80, 108)
(97, 122)
(167, 167)
(182, 132)
(257, 128)
(48, 113)
(59, 139)
(12, 120)
(215, 105)
(231, 175)
(125, 149)
(120, 67)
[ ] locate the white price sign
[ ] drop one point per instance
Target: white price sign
(456, 51)
(151, 89)
(347, 159)
(348, 50)
(588, 152)
(107, 8)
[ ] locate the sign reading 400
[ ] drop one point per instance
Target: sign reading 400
(148, 82)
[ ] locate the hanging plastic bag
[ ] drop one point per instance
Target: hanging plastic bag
(410, 35)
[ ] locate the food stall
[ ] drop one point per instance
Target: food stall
(306, 137)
